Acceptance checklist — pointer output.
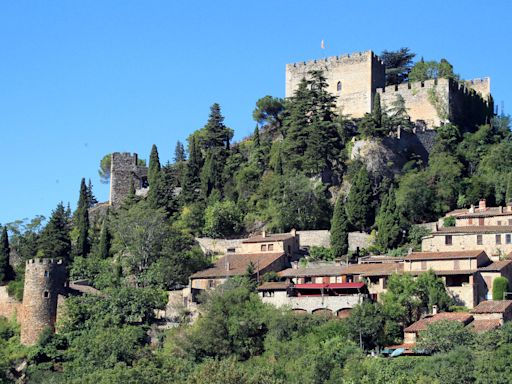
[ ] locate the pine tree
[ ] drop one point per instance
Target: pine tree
(5, 251)
(339, 230)
(359, 201)
(388, 222)
(179, 152)
(192, 181)
(55, 241)
(154, 166)
(105, 239)
(91, 199)
(82, 247)
(216, 134)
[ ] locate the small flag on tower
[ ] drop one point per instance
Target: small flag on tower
(322, 45)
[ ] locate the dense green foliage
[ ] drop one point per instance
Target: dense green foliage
(5, 251)
(339, 230)
(499, 287)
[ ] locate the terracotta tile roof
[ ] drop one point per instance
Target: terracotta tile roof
(497, 266)
(371, 269)
(325, 270)
(480, 326)
(269, 237)
(238, 264)
(274, 286)
(474, 229)
(422, 324)
(447, 272)
(379, 259)
(499, 306)
(444, 255)
(489, 212)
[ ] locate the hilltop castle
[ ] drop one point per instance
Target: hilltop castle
(357, 77)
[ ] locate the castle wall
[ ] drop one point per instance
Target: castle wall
(358, 74)
(481, 86)
(8, 305)
(417, 97)
(44, 280)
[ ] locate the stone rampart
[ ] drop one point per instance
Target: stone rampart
(125, 171)
(9, 306)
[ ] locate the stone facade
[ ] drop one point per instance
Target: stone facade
(44, 280)
(353, 78)
(125, 170)
(356, 78)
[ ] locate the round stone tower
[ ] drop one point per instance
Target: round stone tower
(44, 281)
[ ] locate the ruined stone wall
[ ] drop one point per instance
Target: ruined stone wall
(358, 75)
(44, 281)
(124, 170)
(481, 86)
(417, 97)
(9, 307)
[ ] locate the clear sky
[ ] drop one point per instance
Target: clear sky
(80, 79)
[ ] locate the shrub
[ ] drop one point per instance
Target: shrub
(449, 221)
(499, 287)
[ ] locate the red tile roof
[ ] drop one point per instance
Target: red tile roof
(356, 285)
(269, 237)
(489, 212)
(447, 272)
(238, 264)
(371, 269)
(422, 324)
(498, 306)
(474, 229)
(480, 326)
(444, 255)
(497, 266)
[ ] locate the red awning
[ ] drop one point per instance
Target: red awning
(357, 285)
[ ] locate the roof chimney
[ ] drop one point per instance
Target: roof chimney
(472, 208)
(434, 309)
(482, 205)
(263, 233)
(227, 265)
(293, 232)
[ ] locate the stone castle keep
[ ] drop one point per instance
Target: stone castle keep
(356, 78)
(125, 171)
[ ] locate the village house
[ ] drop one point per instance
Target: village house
(487, 228)
(329, 299)
(264, 253)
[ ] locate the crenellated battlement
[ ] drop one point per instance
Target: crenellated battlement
(347, 58)
(45, 261)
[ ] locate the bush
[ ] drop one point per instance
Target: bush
(499, 287)
(449, 221)
(320, 254)
(223, 219)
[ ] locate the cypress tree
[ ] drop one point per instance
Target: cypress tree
(5, 251)
(55, 240)
(359, 201)
(388, 222)
(82, 222)
(131, 198)
(154, 166)
(377, 111)
(191, 181)
(256, 137)
(211, 174)
(339, 230)
(105, 239)
(216, 134)
(91, 199)
(179, 152)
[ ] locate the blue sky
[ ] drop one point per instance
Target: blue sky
(82, 79)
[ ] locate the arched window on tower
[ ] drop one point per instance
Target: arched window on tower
(338, 87)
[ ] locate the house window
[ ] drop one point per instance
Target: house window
(211, 284)
(508, 238)
(499, 222)
(338, 87)
(268, 293)
(481, 221)
(263, 247)
(470, 221)
(46, 274)
(307, 279)
(479, 240)
(498, 239)
(46, 294)
(271, 247)
(448, 240)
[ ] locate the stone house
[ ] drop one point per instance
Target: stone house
(412, 332)
(330, 299)
(496, 269)
(490, 315)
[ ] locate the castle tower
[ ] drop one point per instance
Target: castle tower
(353, 78)
(44, 280)
(125, 170)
